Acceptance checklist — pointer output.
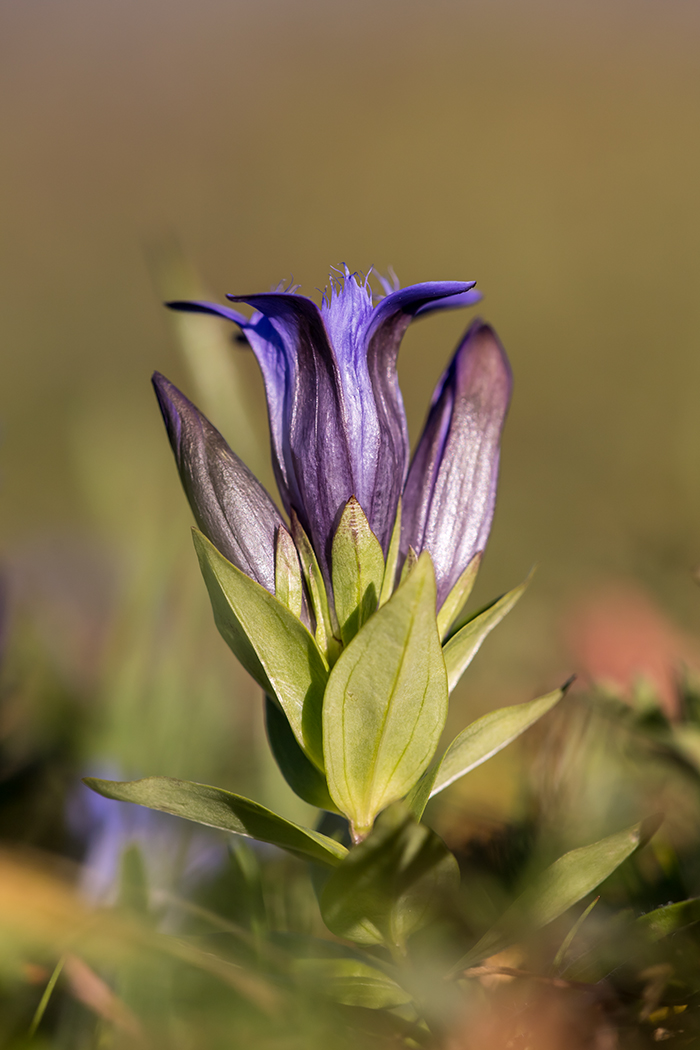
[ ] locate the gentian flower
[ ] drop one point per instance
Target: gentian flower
(338, 429)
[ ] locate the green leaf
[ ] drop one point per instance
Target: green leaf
(392, 560)
(559, 887)
(271, 643)
(352, 982)
(222, 809)
(626, 938)
(670, 918)
(476, 744)
(358, 570)
(326, 629)
(465, 641)
(392, 884)
(386, 703)
(289, 588)
(457, 597)
(302, 776)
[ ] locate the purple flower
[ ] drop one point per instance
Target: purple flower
(338, 428)
(450, 491)
(229, 504)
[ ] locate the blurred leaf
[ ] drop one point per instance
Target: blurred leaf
(560, 886)
(559, 958)
(386, 702)
(670, 918)
(390, 885)
(288, 586)
(625, 938)
(392, 560)
(358, 570)
(206, 346)
(222, 809)
(271, 643)
(467, 637)
(477, 743)
(457, 597)
(133, 883)
(353, 982)
(246, 864)
(303, 777)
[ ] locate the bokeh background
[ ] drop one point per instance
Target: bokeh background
(549, 150)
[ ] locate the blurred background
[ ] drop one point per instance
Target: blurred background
(549, 150)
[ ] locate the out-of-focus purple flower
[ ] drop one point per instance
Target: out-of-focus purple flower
(337, 420)
(175, 856)
(450, 491)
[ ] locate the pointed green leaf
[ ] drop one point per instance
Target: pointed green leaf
(386, 703)
(358, 570)
(392, 884)
(465, 641)
(476, 744)
(222, 809)
(392, 560)
(560, 886)
(458, 596)
(488, 735)
(302, 775)
(271, 643)
(289, 588)
(326, 637)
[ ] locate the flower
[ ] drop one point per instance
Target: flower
(338, 428)
(450, 491)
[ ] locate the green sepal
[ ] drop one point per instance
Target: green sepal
(457, 598)
(273, 645)
(477, 743)
(302, 775)
(411, 559)
(289, 588)
(559, 887)
(392, 559)
(392, 884)
(222, 809)
(465, 641)
(327, 633)
(358, 570)
(386, 703)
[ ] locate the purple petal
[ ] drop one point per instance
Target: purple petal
(451, 302)
(317, 462)
(388, 322)
(194, 306)
(229, 504)
(451, 487)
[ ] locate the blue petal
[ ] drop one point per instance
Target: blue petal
(451, 486)
(229, 504)
(311, 418)
(451, 302)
